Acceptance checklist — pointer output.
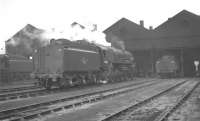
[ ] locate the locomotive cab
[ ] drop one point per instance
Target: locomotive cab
(118, 64)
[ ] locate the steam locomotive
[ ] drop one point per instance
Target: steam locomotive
(167, 66)
(65, 63)
(14, 68)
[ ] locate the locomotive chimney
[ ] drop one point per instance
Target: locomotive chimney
(150, 28)
(52, 41)
(141, 23)
(169, 19)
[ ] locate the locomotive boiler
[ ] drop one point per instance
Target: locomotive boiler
(65, 63)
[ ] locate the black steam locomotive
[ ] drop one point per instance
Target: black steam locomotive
(167, 66)
(65, 63)
(14, 68)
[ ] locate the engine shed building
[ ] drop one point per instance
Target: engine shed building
(25, 41)
(178, 36)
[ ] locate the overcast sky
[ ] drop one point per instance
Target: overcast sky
(45, 14)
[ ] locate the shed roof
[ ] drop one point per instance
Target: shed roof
(27, 31)
(127, 30)
(184, 23)
(182, 30)
(179, 31)
(25, 41)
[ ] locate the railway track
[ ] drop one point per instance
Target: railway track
(167, 113)
(23, 94)
(148, 109)
(39, 92)
(34, 110)
(188, 110)
(15, 89)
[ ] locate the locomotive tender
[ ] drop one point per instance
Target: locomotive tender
(14, 68)
(65, 63)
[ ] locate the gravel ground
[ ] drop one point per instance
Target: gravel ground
(153, 109)
(98, 111)
(190, 110)
(28, 101)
